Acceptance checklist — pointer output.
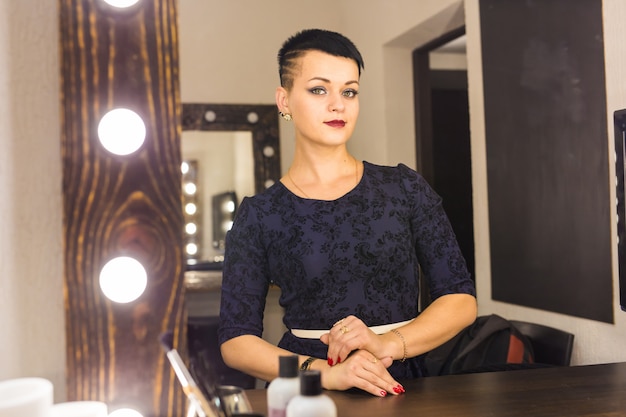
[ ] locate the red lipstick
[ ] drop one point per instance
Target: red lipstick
(336, 123)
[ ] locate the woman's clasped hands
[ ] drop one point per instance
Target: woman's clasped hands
(359, 358)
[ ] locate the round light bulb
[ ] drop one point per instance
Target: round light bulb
(190, 188)
(229, 207)
(122, 4)
(125, 412)
(191, 228)
(123, 279)
(191, 249)
(191, 208)
(121, 131)
(227, 225)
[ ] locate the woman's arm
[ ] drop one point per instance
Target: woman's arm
(439, 322)
(256, 357)
(443, 319)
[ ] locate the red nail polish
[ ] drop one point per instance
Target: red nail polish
(383, 393)
(338, 360)
(400, 389)
(397, 390)
(330, 362)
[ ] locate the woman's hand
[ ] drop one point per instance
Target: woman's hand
(364, 371)
(350, 334)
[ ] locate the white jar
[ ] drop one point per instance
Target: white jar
(282, 389)
(311, 402)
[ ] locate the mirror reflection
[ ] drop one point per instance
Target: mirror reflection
(228, 152)
(218, 174)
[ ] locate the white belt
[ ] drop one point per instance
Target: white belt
(316, 334)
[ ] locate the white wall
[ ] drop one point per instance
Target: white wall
(32, 333)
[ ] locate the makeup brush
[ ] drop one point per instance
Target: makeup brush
(202, 372)
(198, 400)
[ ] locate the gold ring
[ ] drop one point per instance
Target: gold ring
(344, 330)
(374, 360)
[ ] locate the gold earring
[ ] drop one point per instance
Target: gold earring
(286, 116)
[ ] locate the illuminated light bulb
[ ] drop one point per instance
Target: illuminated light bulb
(227, 225)
(191, 248)
(190, 188)
(121, 131)
(191, 228)
(122, 4)
(184, 168)
(123, 279)
(190, 208)
(229, 206)
(125, 412)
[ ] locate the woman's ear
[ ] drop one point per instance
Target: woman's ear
(282, 102)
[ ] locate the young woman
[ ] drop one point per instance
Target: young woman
(344, 240)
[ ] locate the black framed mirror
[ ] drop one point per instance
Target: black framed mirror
(227, 149)
(261, 120)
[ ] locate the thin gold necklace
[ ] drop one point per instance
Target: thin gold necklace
(296, 185)
(356, 178)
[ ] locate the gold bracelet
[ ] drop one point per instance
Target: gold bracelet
(396, 332)
(306, 365)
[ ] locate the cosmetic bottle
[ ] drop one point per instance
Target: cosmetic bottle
(311, 402)
(282, 389)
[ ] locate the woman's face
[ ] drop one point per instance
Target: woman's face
(324, 99)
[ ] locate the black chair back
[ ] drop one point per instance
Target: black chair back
(551, 346)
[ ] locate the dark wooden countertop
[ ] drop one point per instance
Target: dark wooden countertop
(593, 390)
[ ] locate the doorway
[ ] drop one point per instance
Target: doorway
(443, 136)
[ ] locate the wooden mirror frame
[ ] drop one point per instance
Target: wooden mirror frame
(121, 205)
(260, 119)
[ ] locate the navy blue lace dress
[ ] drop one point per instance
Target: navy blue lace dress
(357, 255)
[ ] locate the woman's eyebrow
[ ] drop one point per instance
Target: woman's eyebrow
(326, 80)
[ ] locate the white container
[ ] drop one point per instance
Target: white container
(26, 397)
(282, 389)
(80, 409)
(311, 402)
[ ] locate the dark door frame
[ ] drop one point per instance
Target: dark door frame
(423, 119)
(423, 113)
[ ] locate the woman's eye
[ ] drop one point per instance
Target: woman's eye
(317, 90)
(350, 93)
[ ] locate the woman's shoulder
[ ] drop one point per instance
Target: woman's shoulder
(389, 173)
(274, 193)
(269, 202)
(401, 180)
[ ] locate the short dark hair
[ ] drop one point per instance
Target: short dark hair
(332, 43)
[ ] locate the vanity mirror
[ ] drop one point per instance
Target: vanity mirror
(229, 151)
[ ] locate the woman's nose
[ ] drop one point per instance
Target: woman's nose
(336, 102)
